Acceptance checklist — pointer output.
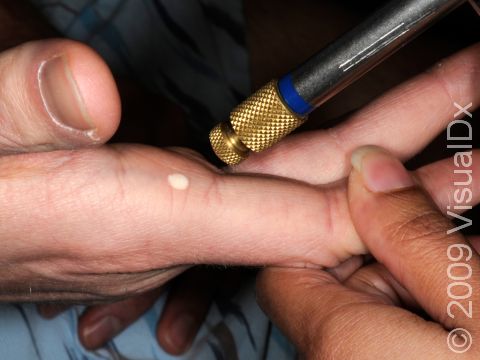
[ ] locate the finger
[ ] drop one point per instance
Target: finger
(177, 210)
(55, 94)
(407, 233)
(326, 320)
(177, 206)
(101, 323)
(442, 178)
(403, 121)
(343, 271)
(377, 278)
(186, 308)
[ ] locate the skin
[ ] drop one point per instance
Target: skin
(129, 176)
(320, 148)
(75, 264)
(355, 313)
(138, 305)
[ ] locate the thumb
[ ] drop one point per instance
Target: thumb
(404, 230)
(55, 94)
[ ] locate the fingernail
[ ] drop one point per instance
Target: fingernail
(102, 331)
(61, 96)
(381, 172)
(182, 331)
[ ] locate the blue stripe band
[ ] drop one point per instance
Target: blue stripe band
(292, 98)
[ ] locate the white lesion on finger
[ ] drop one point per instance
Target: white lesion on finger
(178, 181)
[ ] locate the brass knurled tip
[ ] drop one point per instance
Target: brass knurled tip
(255, 125)
(224, 145)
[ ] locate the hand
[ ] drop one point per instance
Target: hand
(107, 221)
(403, 120)
(30, 128)
(68, 211)
(371, 312)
